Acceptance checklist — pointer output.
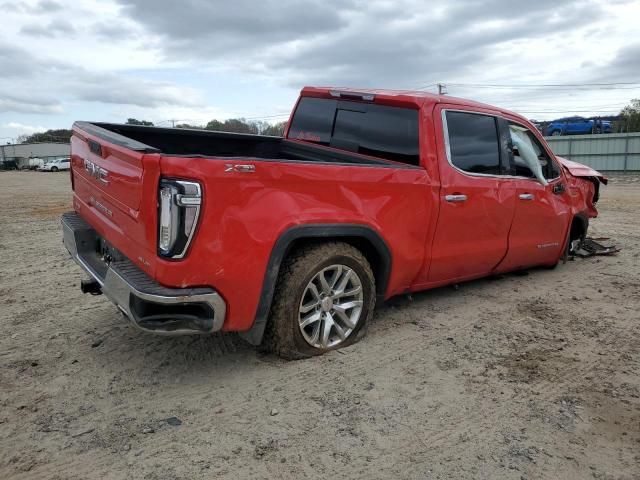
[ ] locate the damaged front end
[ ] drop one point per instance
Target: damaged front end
(584, 186)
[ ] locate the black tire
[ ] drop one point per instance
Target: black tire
(54, 169)
(283, 335)
(556, 133)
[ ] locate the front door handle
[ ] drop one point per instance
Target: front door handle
(526, 196)
(456, 198)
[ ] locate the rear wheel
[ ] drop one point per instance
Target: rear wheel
(54, 169)
(324, 297)
(556, 133)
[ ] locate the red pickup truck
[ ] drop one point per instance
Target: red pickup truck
(290, 241)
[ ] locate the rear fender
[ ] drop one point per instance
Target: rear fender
(287, 241)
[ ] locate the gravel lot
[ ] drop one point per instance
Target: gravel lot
(521, 377)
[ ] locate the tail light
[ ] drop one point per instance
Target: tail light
(179, 204)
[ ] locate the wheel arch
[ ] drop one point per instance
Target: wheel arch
(363, 237)
(578, 228)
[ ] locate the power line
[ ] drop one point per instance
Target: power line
(564, 111)
(543, 85)
(570, 107)
(577, 109)
(532, 85)
(267, 116)
(174, 120)
(424, 87)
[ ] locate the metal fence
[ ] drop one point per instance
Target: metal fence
(607, 152)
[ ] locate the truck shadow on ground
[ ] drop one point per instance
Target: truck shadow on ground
(121, 344)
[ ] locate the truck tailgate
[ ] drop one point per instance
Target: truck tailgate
(115, 187)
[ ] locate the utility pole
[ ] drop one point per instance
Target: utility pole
(442, 89)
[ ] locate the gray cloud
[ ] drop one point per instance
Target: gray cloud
(52, 29)
(429, 49)
(64, 81)
(122, 90)
(113, 31)
(12, 6)
(242, 24)
(42, 7)
(625, 65)
(358, 42)
(47, 6)
(29, 104)
(14, 63)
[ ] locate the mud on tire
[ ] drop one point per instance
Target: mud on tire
(283, 334)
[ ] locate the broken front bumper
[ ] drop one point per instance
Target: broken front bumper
(147, 304)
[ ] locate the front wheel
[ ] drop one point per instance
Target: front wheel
(556, 133)
(324, 297)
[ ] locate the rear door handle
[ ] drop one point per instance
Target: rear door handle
(456, 198)
(526, 196)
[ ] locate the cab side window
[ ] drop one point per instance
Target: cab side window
(381, 131)
(473, 142)
(527, 155)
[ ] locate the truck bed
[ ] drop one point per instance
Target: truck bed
(182, 142)
(117, 171)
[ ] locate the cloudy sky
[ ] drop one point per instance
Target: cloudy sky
(194, 60)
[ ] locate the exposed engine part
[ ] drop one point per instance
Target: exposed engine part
(590, 247)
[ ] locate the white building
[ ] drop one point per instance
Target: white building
(18, 155)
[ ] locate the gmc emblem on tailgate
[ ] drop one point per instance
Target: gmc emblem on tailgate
(96, 172)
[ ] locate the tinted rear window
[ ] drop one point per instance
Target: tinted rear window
(473, 141)
(376, 130)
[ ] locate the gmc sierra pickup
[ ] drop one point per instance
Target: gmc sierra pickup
(290, 241)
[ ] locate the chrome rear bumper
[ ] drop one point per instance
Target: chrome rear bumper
(147, 304)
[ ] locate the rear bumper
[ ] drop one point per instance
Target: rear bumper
(147, 304)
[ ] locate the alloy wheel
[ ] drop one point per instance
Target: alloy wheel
(331, 306)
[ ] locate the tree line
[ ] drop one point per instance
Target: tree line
(631, 116)
(234, 125)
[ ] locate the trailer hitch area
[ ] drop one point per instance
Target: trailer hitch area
(90, 286)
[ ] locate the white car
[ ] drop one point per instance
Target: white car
(56, 165)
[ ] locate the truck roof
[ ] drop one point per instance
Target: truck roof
(418, 98)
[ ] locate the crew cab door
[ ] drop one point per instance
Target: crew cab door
(476, 202)
(542, 213)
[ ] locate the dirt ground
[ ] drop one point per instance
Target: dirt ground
(522, 377)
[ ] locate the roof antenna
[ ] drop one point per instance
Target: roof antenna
(442, 89)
